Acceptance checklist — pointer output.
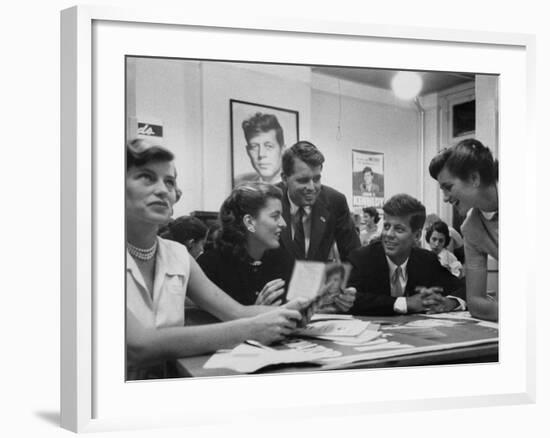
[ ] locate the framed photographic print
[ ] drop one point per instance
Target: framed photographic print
(178, 71)
(259, 136)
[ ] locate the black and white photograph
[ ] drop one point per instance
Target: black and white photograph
(259, 134)
(247, 291)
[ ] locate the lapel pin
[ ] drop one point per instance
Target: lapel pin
(322, 219)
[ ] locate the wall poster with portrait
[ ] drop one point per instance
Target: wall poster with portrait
(259, 135)
(367, 178)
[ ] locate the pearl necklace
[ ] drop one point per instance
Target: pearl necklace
(142, 254)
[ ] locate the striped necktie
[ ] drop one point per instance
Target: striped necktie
(299, 235)
(396, 289)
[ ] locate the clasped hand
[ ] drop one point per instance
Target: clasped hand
(430, 300)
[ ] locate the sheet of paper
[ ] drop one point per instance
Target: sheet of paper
(488, 324)
(364, 338)
(326, 316)
(247, 358)
(306, 279)
(426, 323)
(465, 315)
(387, 346)
(352, 327)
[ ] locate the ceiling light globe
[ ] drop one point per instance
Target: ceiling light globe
(406, 85)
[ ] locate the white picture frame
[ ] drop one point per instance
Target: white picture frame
(93, 395)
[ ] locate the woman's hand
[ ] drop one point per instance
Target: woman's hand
(271, 293)
(274, 325)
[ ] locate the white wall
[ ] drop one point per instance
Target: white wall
(370, 126)
(487, 111)
(167, 91)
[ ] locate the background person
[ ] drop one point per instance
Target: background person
(468, 177)
(438, 237)
(189, 231)
(243, 262)
(317, 215)
(371, 232)
(264, 146)
(160, 273)
(456, 243)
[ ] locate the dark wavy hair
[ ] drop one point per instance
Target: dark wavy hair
(142, 151)
(440, 227)
(184, 228)
(466, 157)
(305, 151)
(259, 123)
(248, 198)
(405, 205)
(373, 212)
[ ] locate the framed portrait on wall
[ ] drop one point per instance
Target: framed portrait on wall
(367, 178)
(259, 135)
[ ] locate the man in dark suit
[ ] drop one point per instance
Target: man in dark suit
(317, 216)
(394, 276)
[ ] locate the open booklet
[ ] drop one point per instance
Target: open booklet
(318, 282)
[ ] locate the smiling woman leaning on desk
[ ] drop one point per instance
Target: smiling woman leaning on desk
(160, 273)
(468, 177)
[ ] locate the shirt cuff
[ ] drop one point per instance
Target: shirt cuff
(461, 303)
(400, 305)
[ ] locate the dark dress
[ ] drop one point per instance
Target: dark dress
(241, 279)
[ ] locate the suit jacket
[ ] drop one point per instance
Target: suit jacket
(330, 222)
(370, 275)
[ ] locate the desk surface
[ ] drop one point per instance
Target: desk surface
(441, 345)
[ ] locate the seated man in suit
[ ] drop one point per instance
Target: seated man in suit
(318, 216)
(394, 276)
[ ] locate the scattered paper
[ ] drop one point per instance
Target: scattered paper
(247, 358)
(387, 346)
(348, 327)
(425, 323)
(325, 316)
(464, 315)
(362, 339)
(489, 324)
